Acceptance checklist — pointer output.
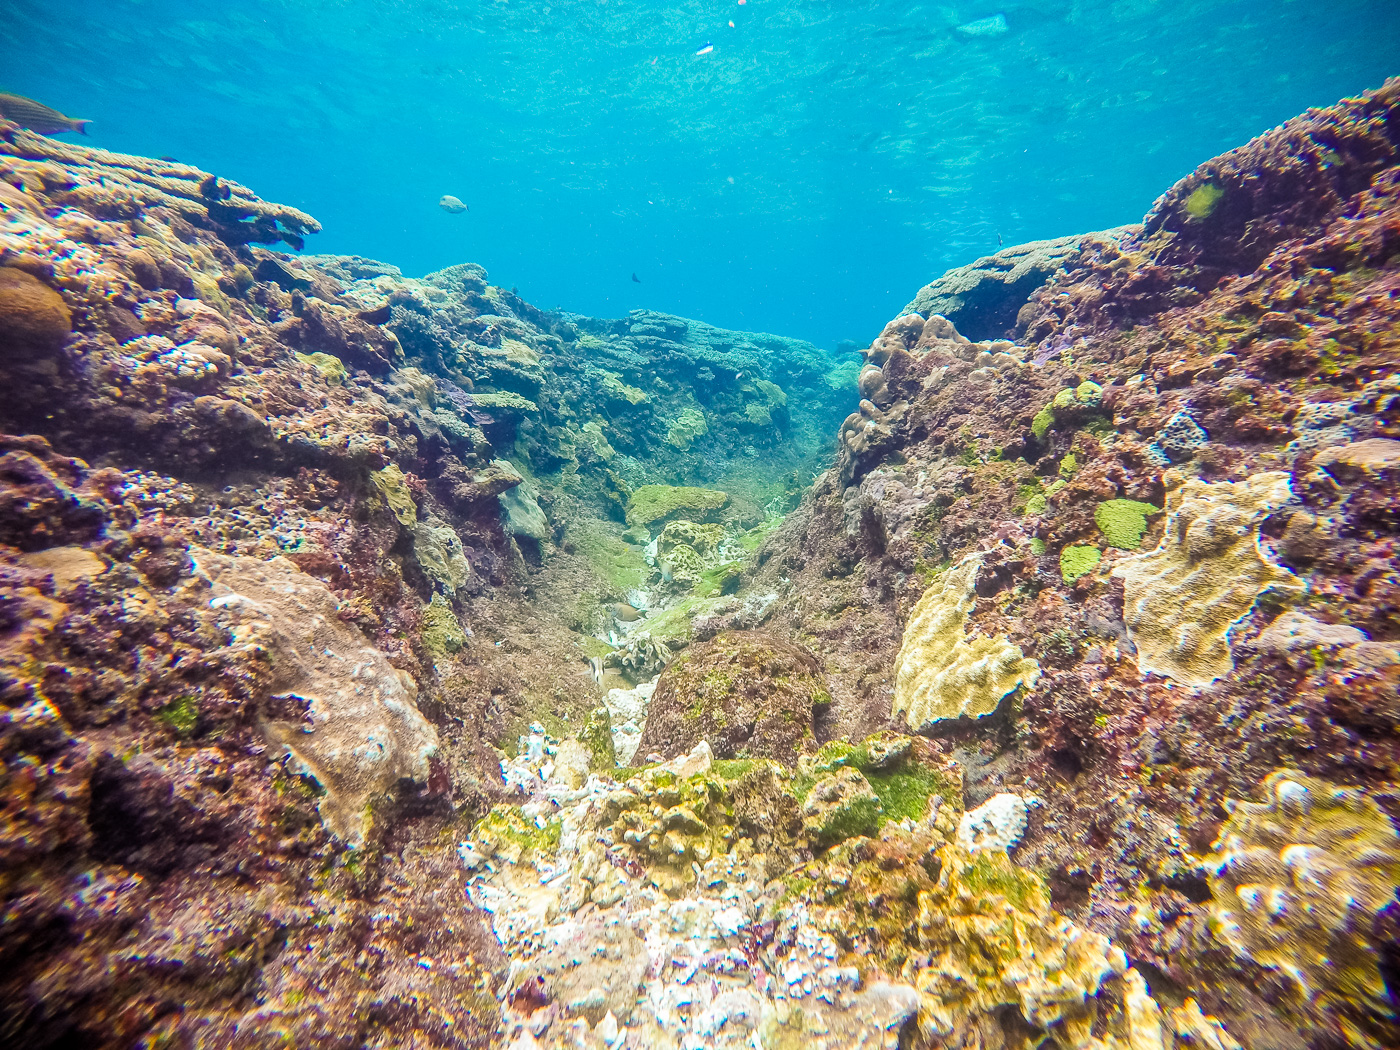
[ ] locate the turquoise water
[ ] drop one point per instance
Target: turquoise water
(804, 176)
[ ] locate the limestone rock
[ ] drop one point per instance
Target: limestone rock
(523, 516)
(998, 823)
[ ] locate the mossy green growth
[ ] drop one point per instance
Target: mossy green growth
(392, 488)
(733, 768)
(506, 825)
(1123, 521)
(653, 503)
(1069, 465)
(1203, 200)
(330, 366)
(1076, 561)
(1037, 546)
(905, 792)
(441, 631)
(622, 566)
(1043, 421)
(686, 427)
(180, 716)
(1037, 503)
(596, 736)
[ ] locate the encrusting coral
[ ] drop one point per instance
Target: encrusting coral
(1299, 880)
(1182, 599)
(942, 673)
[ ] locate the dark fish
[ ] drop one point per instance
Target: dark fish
(636, 279)
(38, 117)
(168, 159)
(211, 189)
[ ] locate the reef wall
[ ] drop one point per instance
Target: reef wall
(332, 599)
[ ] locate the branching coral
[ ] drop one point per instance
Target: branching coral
(941, 673)
(1182, 599)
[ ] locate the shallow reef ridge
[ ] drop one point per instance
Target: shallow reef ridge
(387, 662)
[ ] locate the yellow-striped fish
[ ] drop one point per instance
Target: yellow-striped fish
(38, 117)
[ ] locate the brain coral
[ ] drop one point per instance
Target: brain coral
(1298, 880)
(1182, 599)
(940, 672)
(32, 315)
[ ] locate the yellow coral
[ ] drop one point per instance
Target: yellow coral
(940, 672)
(1182, 599)
(1298, 880)
(992, 939)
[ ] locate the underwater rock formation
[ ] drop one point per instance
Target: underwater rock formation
(1240, 347)
(388, 662)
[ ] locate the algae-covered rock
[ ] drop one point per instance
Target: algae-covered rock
(523, 516)
(332, 369)
(441, 631)
(1182, 599)
(1298, 881)
(840, 806)
(746, 692)
(940, 671)
(358, 731)
(662, 503)
(440, 555)
(389, 484)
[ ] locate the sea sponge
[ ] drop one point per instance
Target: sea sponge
(1298, 880)
(940, 672)
(1123, 521)
(1182, 599)
(33, 317)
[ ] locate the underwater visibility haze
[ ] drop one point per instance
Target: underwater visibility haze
(795, 179)
(753, 525)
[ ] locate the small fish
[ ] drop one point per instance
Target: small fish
(998, 240)
(706, 49)
(595, 668)
(451, 204)
(38, 117)
(994, 25)
(636, 279)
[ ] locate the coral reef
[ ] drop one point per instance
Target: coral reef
(1181, 601)
(941, 673)
(388, 662)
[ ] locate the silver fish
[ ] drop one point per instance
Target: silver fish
(38, 117)
(595, 668)
(449, 203)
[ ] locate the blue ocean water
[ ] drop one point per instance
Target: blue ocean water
(797, 166)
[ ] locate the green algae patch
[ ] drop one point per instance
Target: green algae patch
(505, 827)
(180, 716)
(392, 489)
(1123, 521)
(730, 769)
(332, 369)
(621, 565)
(1203, 201)
(653, 503)
(596, 736)
(905, 793)
(1077, 561)
(1042, 422)
(441, 631)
